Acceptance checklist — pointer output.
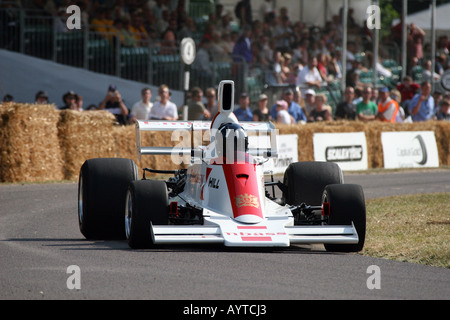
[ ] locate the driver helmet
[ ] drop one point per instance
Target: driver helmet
(231, 138)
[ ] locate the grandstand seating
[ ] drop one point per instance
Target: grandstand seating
(146, 64)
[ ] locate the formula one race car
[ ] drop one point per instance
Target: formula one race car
(222, 196)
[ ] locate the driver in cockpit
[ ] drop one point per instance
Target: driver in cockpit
(231, 144)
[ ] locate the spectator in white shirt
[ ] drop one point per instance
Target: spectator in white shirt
(142, 108)
(309, 76)
(164, 109)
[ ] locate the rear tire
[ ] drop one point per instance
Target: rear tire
(102, 187)
(347, 205)
(146, 205)
(305, 181)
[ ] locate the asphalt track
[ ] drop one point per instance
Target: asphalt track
(39, 240)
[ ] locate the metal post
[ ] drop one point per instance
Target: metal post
(22, 30)
(433, 42)
(117, 56)
(86, 46)
(302, 17)
(344, 43)
(404, 35)
(150, 64)
(54, 40)
(375, 52)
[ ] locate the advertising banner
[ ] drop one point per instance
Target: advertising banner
(348, 150)
(409, 149)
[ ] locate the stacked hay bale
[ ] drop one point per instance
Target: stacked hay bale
(40, 143)
(85, 135)
(29, 143)
(442, 132)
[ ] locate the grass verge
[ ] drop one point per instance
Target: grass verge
(413, 228)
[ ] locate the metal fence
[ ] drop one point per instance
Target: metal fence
(47, 38)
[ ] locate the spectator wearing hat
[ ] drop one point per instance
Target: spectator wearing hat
(387, 107)
(261, 113)
(310, 100)
(421, 107)
(293, 108)
(242, 111)
(283, 115)
(69, 99)
(41, 97)
(113, 103)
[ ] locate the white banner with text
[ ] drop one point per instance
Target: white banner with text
(348, 150)
(409, 149)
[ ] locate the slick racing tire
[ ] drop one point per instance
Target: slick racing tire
(146, 205)
(102, 187)
(346, 205)
(305, 181)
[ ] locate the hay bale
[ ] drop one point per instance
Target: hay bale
(40, 143)
(29, 143)
(442, 132)
(85, 135)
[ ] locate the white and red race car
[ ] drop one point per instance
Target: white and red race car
(222, 196)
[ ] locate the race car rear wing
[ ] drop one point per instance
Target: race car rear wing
(264, 129)
(263, 147)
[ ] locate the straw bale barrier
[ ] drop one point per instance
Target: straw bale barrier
(40, 143)
(84, 135)
(29, 144)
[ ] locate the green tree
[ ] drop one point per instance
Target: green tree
(388, 14)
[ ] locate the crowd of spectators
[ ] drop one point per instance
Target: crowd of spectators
(289, 52)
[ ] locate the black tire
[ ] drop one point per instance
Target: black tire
(102, 187)
(305, 181)
(146, 202)
(347, 205)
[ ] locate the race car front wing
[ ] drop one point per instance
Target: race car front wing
(269, 233)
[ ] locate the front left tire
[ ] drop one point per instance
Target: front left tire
(146, 205)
